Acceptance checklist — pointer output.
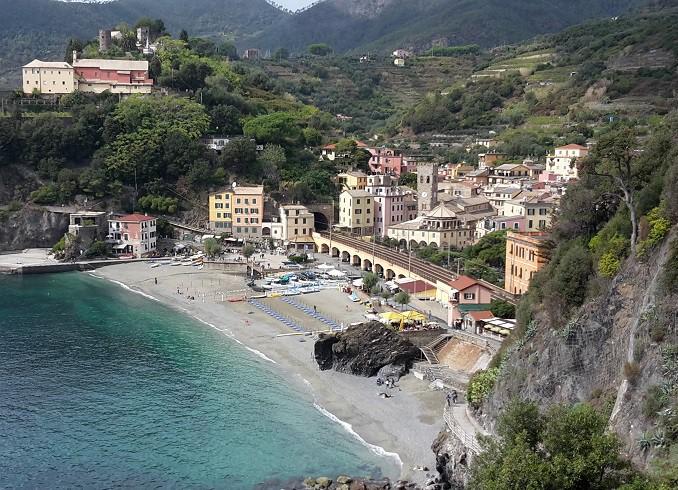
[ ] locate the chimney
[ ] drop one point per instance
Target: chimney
(75, 56)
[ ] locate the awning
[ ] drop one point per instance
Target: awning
(119, 247)
(413, 316)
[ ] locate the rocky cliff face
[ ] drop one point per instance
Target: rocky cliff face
(31, 227)
(365, 349)
(609, 354)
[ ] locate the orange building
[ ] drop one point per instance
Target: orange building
(526, 253)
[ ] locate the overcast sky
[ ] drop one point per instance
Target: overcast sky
(294, 4)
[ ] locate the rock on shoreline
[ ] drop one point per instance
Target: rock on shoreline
(363, 350)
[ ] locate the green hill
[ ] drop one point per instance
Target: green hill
(349, 25)
(40, 28)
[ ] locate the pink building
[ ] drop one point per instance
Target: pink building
(392, 205)
(386, 161)
(469, 301)
(116, 76)
(132, 234)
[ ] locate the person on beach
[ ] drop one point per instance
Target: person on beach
(156, 280)
(454, 396)
(315, 310)
(449, 399)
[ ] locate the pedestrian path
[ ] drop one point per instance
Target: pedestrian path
(462, 424)
(282, 319)
(313, 313)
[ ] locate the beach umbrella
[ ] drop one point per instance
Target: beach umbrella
(325, 266)
(336, 273)
(391, 316)
(414, 316)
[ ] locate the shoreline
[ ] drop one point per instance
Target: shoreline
(400, 429)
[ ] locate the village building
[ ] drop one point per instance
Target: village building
(115, 76)
(48, 77)
(87, 75)
(88, 226)
(563, 162)
(526, 254)
(356, 212)
(448, 226)
(399, 62)
(469, 304)
(499, 223)
(499, 194)
(237, 211)
(132, 235)
(480, 177)
(537, 207)
(488, 143)
(490, 159)
(250, 54)
(458, 188)
(352, 181)
(386, 161)
(392, 204)
(508, 173)
(215, 143)
(292, 228)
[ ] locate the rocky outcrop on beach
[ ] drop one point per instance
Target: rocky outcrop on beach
(453, 461)
(348, 483)
(363, 350)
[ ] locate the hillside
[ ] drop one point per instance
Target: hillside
(385, 25)
(40, 28)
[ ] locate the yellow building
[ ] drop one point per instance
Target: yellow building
(238, 211)
(526, 253)
(352, 181)
(356, 212)
(48, 77)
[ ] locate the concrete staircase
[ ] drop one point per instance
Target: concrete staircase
(433, 348)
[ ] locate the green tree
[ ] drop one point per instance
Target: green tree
(565, 449)
(226, 120)
(502, 309)
(281, 54)
(370, 280)
(319, 49)
(409, 179)
(616, 159)
(239, 155)
(402, 298)
(212, 247)
(183, 36)
(247, 251)
(279, 127)
(98, 248)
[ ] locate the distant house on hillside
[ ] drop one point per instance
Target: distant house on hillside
(399, 62)
(402, 53)
(250, 54)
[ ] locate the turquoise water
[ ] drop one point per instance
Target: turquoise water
(100, 387)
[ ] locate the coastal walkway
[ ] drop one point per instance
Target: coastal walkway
(462, 424)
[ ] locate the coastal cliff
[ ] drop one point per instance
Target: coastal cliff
(617, 353)
(31, 227)
(363, 350)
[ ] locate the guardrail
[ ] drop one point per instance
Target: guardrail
(468, 440)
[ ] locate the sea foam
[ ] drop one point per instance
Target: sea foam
(378, 450)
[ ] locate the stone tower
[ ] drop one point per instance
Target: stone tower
(104, 40)
(427, 187)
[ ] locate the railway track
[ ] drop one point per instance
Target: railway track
(422, 268)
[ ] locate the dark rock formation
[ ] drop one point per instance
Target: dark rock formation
(364, 349)
(32, 227)
(452, 461)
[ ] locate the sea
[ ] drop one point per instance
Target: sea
(101, 387)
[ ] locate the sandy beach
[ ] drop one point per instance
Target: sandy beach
(401, 427)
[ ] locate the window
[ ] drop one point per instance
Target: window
(469, 296)
(530, 212)
(529, 224)
(218, 215)
(218, 196)
(542, 211)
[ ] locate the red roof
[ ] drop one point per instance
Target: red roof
(481, 315)
(330, 147)
(418, 286)
(572, 146)
(463, 282)
(360, 144)
(135, 218)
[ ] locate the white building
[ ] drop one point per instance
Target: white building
(563, 162)
(48, 77)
